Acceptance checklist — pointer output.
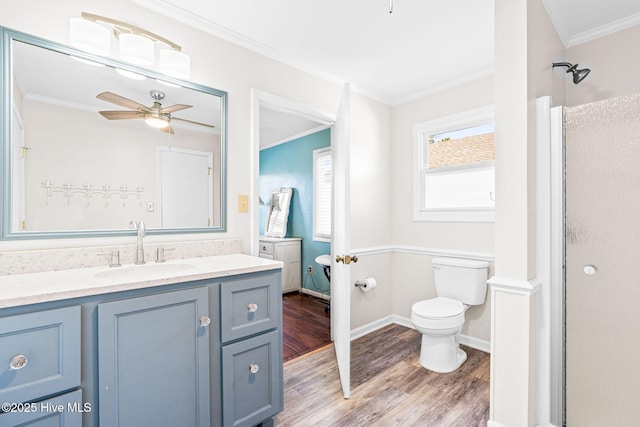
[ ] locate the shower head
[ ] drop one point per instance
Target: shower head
(578, 75)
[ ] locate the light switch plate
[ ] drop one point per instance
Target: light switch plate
(243, 203)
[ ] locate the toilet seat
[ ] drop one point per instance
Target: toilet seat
(438, 308)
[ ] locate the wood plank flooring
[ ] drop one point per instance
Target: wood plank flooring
(388, 387)
(306, 326)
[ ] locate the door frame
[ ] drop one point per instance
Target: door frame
(259, 98)
(550, 260)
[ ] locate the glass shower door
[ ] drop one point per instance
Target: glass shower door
(602, 143)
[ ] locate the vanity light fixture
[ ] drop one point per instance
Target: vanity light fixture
(91, 33)
(136, 49)
(89, 36)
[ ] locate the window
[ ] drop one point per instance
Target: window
(322, 194)
(454, 168)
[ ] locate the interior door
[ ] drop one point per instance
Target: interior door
(340, 245)
(602, 258)
(185, 188)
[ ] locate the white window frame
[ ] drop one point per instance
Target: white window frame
(316, 235)
(463, 120)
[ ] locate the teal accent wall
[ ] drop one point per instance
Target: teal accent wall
(291, 165)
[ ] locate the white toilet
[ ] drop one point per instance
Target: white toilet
(460, 283)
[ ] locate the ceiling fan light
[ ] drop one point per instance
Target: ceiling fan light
(136, 49)
(89, 36)
(174, 63)
(156, 121)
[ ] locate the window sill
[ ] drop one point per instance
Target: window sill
(456, 215)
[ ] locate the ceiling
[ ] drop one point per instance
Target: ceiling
(423, 47)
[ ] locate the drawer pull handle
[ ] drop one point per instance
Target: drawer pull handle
(205, 320)
(252, 308)
(254, 368)
(19, 361)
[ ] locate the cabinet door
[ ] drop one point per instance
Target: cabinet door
(46, 344)
(289, 254)
(153, 360)
(252, 380)
(61, 411)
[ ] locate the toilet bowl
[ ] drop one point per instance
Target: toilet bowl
(459, 284)
(440, 321)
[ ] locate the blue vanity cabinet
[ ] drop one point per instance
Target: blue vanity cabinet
(60, 411)
(154, 360)
(40, 358)
(251, 334)
(198, 353)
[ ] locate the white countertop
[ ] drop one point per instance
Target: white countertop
(279, 239)
(32, 288)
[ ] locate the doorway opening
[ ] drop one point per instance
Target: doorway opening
(289, 137)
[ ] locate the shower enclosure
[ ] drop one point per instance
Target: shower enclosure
(602, 252)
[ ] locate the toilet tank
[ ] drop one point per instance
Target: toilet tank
(464, 280)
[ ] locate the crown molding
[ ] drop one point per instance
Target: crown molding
(604, 30)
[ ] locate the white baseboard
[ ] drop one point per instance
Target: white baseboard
(472, 342)
(491, 423)
(370, 327)
(315, 294)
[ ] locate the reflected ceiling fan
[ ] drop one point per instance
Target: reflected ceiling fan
(154, 116)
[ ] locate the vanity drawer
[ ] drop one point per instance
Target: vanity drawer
(39, 354)
(65, 411)
(249, 306)
(251, 380)
(266, 248)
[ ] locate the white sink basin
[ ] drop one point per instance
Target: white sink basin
(137, 271)
(324, 260)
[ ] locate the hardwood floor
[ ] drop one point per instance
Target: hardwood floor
(305, 324)
(388, 387)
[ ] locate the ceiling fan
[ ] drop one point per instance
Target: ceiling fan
(154, 116)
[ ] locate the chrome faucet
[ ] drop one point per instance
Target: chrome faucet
(139, 225)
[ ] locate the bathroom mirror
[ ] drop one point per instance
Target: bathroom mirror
(278, 213)
(79, 158)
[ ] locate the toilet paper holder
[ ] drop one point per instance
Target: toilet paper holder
(366, 284)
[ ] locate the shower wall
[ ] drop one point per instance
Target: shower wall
(602, 232)
(614, 68)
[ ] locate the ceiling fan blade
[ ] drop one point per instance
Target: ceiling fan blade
(121, 115)
(122, 101)
(167, 129)
(191, 121)
(176, 107)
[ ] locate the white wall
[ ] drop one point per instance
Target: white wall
(526, 46)
(370, 209)
(417, 241)
(614, 65)
(222, 65)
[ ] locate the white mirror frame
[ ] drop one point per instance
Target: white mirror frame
(278, 217)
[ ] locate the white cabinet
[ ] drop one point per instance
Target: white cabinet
(286, 250)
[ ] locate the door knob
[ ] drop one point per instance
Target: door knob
(347, 259)
(590, 270)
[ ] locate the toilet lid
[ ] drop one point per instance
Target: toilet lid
(438, 308)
